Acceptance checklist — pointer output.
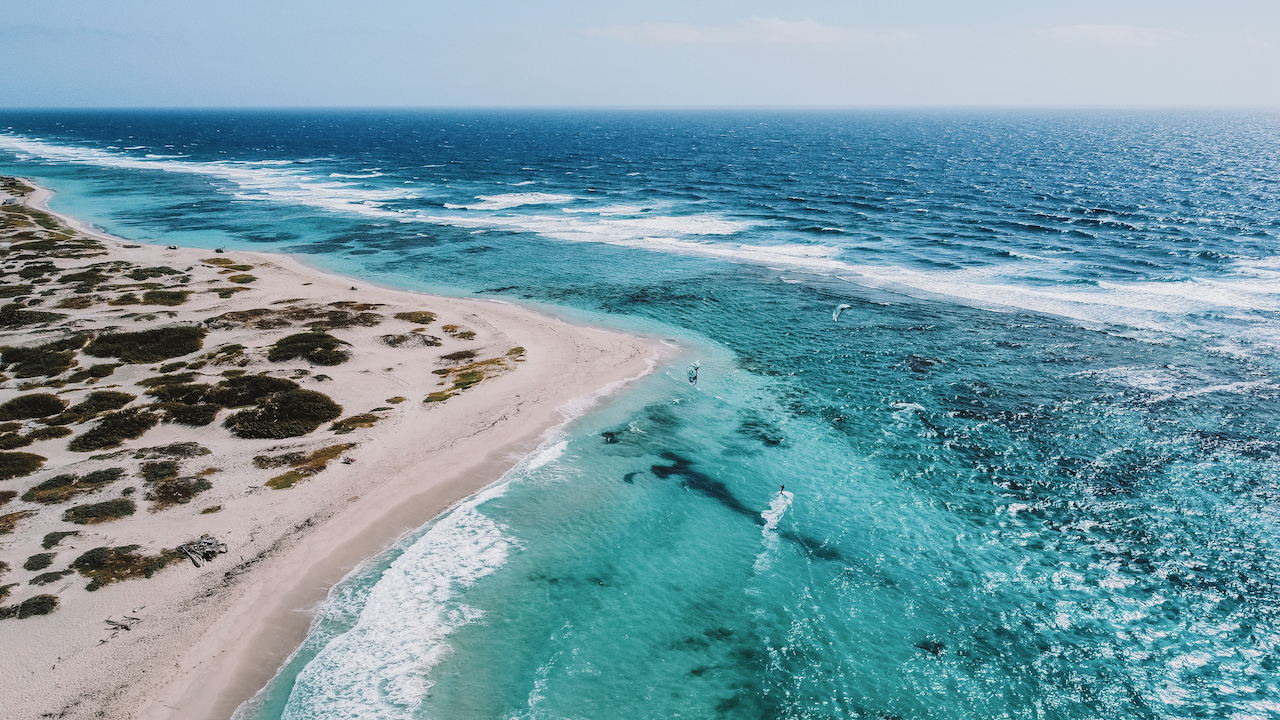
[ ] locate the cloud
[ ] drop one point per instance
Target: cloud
(752, 31)
(1115, 35)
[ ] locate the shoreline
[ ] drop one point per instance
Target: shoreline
(239, 623)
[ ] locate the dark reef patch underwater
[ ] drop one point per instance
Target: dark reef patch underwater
(1030, 471)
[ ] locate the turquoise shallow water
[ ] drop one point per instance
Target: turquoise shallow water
(1031, 470)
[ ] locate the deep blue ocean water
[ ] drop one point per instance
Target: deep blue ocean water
(1032, 470)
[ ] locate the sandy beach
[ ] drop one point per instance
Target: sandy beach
(439, 397)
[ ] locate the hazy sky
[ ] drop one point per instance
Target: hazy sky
(64, 53)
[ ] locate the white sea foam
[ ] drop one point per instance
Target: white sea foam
(284, 181)
(507, 201)
(778, 507)
(380, 667)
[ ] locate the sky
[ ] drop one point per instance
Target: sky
(664, 53)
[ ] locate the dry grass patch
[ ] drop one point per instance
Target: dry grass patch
(308, 465)
(350, 424)
(417, 317)
(10, 521)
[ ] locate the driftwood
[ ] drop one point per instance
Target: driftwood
(206, 549)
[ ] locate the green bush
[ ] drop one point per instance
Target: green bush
(157, 471)
(52, 539)
(147, 273)
(48, 433)
(49, 577)
(93, 404)
(100, 512)
(49, 359)
(92, 373)
(148, 346)
(105, 565)
(288, 414)
(114, 429)
(17, 464)
(9, 291)
(197, 415)
(13, 316)
(165, 297)
(39, 561)
(248, 390)
(61, 488)
(35, 405)
(37, 605)
(176, 491)
(319, 348)
(13, 441)
(92, 276)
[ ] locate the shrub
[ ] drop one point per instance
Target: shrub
(92, 373)
(148, 346)
(196, 415)
(147, 273)
(417, 317)
(39, 561)
(460, 355)
(13, 441)
(5, 589)
(61, 488)
(48, 433)
(35, 405)
(93, 404)
(165, 297)
(317, 347)
(49, 577)
(92, 276)
(49, 359)
(176, 491)
(106, 565)
(157, 471)
(9, 291)
(100, 512)
(241, 279)
(241, 390)
(52, 539)
(13, 316)
(114, 429)
(37, 605)
(76, 302)
(287, 414)
(17, 464)
(211, 510)
(125, 299)
(5, 497)
(178, 450)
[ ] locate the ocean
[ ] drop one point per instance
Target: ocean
(1031, 471)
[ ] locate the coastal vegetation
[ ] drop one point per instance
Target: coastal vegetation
(114, 429)
(32, 606)
(319, 348)
(304, 466)
(66, 486)
(17, 464)
(100, 512)
(106, 565)
(148, 346)
(34, 405)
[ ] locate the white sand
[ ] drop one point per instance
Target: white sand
(208, 638)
